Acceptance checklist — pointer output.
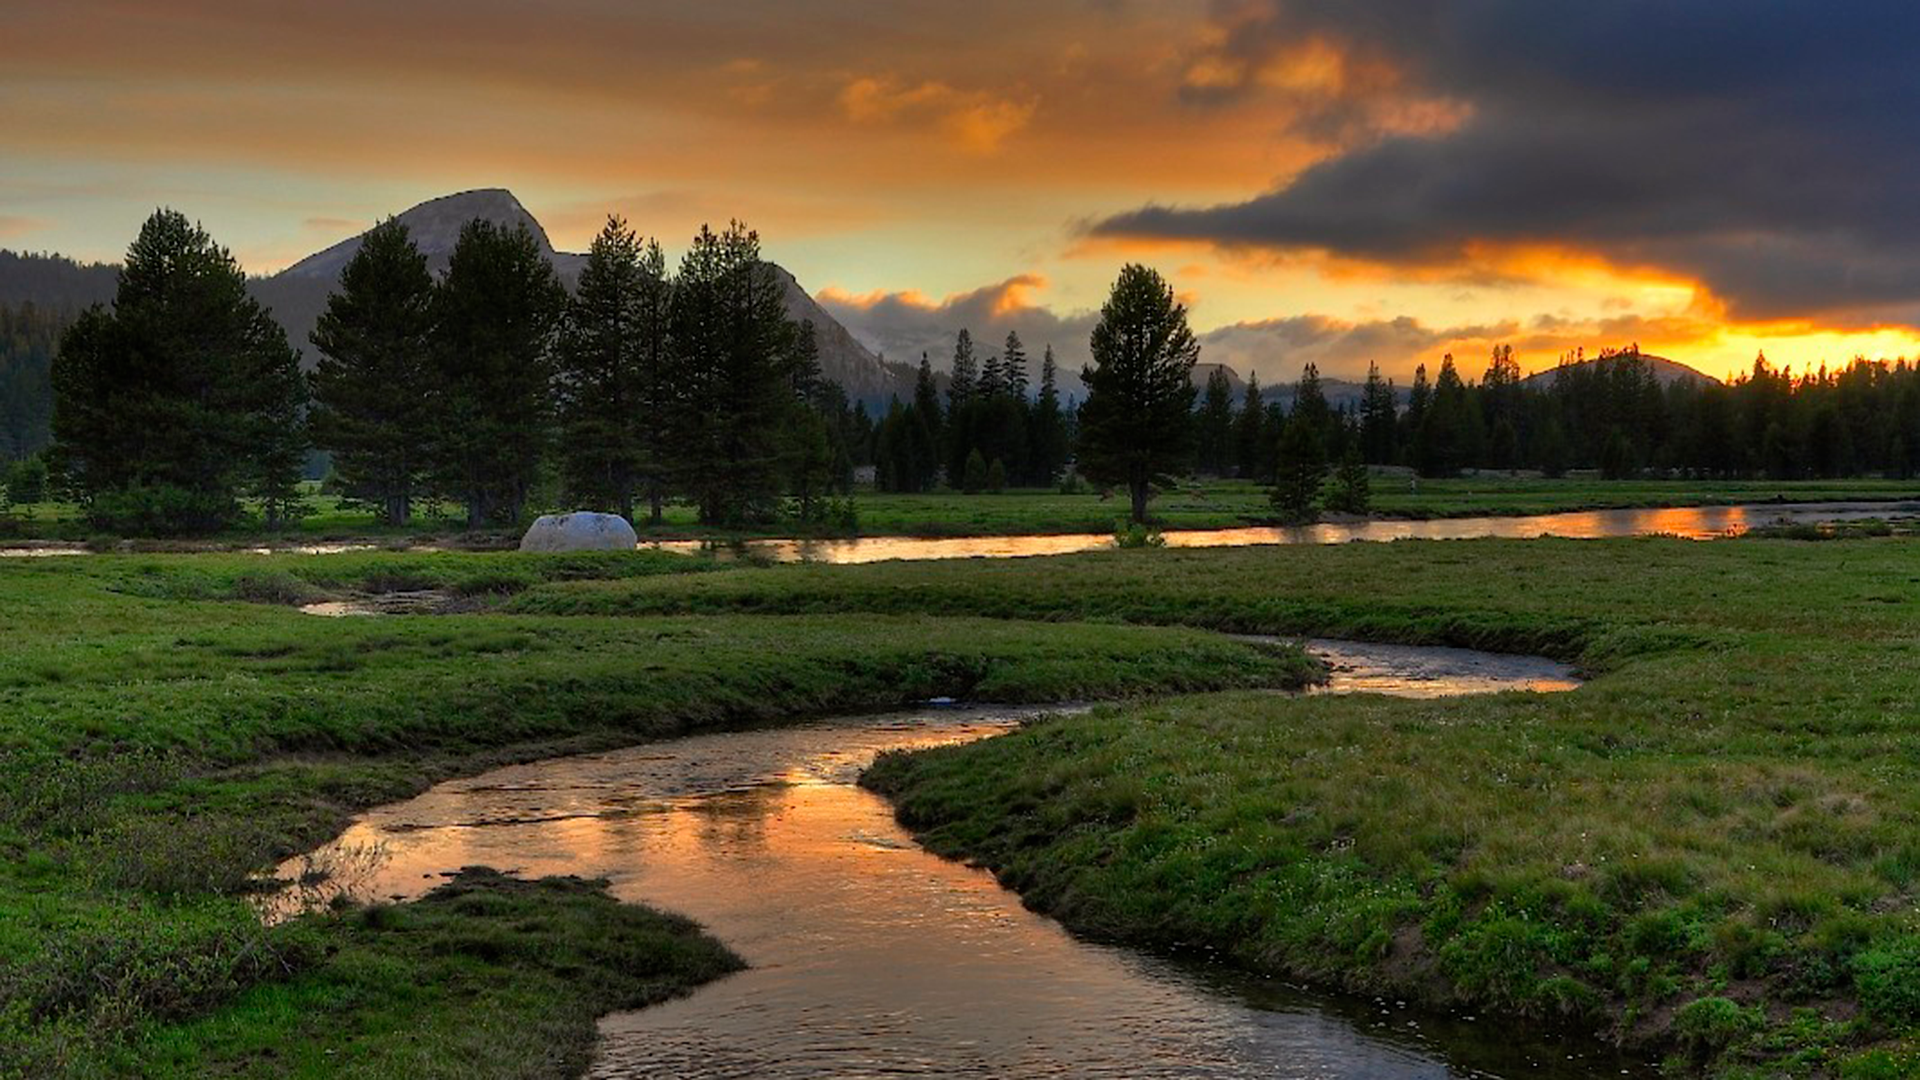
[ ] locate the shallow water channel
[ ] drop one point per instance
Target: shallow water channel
(871, 957)
(1690, 522)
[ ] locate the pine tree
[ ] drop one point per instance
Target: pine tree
(496, 314)
(602, 376)
(1378, 413)
(182, 396)
(372, 405)
(1213, 428)
(1448, 438)
(1136, 427)
(279, 455)
(1250, 432)
(1351, 491)
(1013, 368)
(926, 399)
(974, 477)
(811, 462)
(731, 343)
(1419, 400)
(965, 373)
(963, 391)
(993, 379)
(997, 476)
(1310, 408)
(1300, 467)
(1048, 441)
(803, 361)
(653, 360)
(897, 465)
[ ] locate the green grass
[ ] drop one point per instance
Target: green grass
(1712, 850)
(1709, 850)
(169, 726)
(486, 976)
(1209, 504)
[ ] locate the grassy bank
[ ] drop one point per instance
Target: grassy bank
(169, 726)
(1201, 504)
(1709, 850)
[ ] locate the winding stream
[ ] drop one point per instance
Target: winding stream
(871, 957)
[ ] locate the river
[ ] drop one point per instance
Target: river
(871, 957)
(1689, 522)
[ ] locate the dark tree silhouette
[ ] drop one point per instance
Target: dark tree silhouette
(372, 383)
(1136, 428)
(182, 396)
(495, 318)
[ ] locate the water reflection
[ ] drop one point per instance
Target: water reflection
(871, 957)
(1693, 523)
(1426, 671)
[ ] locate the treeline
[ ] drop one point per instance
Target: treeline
(1612, 414)
(643, 385)
(990, 433)
(29, 337)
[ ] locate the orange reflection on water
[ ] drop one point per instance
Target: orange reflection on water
(1692, 523)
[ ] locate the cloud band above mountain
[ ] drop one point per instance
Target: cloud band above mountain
(1764, 152)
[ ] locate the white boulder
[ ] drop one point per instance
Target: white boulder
(580, 531)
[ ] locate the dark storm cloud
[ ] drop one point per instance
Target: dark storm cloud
(1768, 150)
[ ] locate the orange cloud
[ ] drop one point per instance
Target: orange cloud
(976, 121)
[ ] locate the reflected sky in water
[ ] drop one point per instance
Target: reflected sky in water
(870, 957)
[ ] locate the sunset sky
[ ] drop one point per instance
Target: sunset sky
(1338, 182)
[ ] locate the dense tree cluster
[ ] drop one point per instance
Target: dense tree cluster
(29, 337)
(182, 396)
(1612, 414)
(641, 386)
(994, 429)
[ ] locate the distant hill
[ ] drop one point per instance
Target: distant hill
(54, 282)
(1666, 372)
(298, 294)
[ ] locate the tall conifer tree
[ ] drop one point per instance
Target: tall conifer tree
(1047, 452)
(1136, 428)
(732, 346)
(1013, 367)
(182, 396)
(372, 384)
(496, 314)
(604, 368)
(1213, 428)
(1250, 432)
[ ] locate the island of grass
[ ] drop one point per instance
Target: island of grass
(1711, 851)
(171, 726)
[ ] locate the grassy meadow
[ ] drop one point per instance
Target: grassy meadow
(170, 725)
(1712, 850)
(1709, 851)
